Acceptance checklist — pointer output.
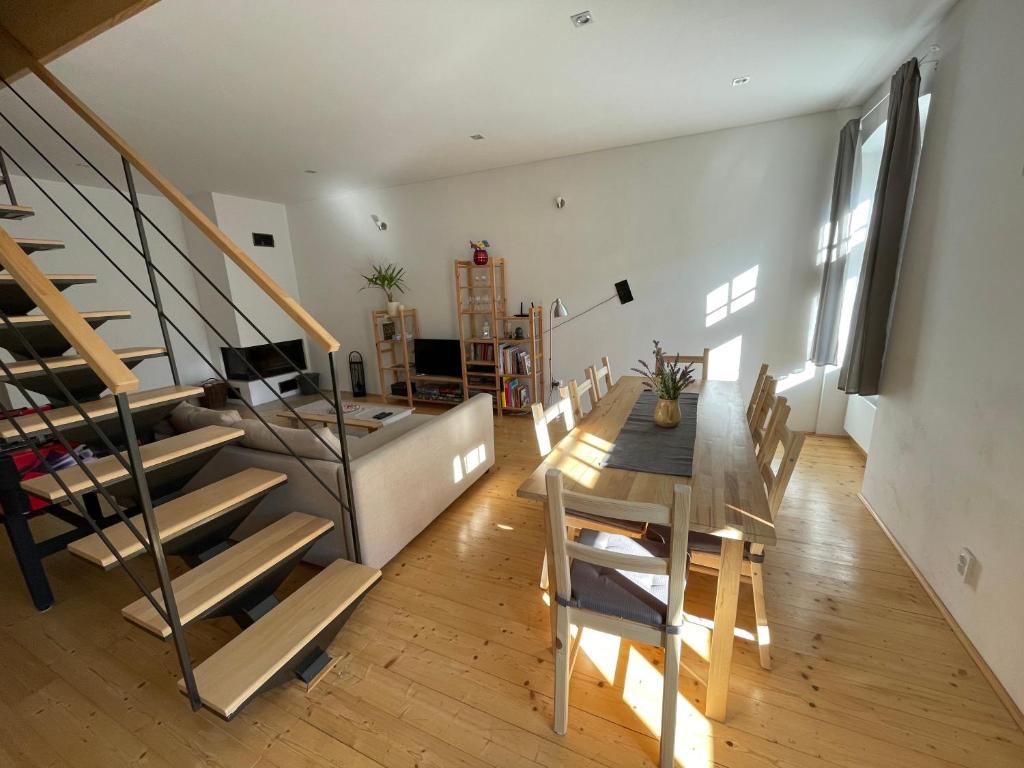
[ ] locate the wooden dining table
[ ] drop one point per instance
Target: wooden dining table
(727, 497)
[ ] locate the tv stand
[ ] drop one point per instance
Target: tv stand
(396, 366)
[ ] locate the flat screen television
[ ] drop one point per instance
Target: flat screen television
(265, 359)
(438, 357)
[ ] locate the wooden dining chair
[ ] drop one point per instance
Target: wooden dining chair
(702, 360)
(705, 548)
(759, 416)
(762, 373)
(598, 374)
(618, 586)
(776, 412)
(543, 417)
(562, 410)
(576, 392)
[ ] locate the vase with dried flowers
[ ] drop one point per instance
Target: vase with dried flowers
(667, 380)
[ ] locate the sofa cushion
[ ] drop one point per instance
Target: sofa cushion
(260, 437)
(187, 417)
(361, 446)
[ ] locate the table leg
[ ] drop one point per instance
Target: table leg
(725, 624)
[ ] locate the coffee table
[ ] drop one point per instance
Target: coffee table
(322, 412)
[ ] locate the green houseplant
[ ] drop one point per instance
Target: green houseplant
(389, 278)
(667, 380)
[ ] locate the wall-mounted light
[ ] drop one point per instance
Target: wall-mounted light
(380, 224)
(559, 202)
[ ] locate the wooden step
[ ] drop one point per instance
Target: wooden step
(71, 362)
(235, 673)
(14, 300)
(180, 515)
(33, 244)
(38, 333)
(12, 212)
(109, 470)
(211, 583)
(32, 321)
(104, 408)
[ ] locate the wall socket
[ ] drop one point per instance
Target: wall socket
(965, 563)
(556, 383)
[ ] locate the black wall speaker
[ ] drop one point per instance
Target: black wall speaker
(622, 288)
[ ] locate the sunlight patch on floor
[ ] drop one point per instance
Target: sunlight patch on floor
(642, 691)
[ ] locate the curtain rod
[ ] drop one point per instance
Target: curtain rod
(934, 60)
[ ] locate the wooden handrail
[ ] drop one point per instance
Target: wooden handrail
(177, 198)
(101, 358)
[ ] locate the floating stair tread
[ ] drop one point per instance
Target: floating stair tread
(180, 515)
(209, 584)
(29, 367)
(105, 407)
(33, 244)
(40, 319)
(15, 212)
(234, 673)
(58, 279)
(108, 469)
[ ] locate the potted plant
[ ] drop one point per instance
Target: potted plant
(667, 380)
(389, 278)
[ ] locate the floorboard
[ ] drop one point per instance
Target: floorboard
(446, 662)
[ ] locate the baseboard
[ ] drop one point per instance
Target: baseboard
(986, 670)
(860, 450)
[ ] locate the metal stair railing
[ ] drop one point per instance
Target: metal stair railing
(15, 502)
(346, 503)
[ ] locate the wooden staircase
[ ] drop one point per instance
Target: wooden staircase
(58, 357)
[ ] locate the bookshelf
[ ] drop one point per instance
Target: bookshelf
(493, 360)
(396, 363)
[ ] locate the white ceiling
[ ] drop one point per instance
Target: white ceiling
(240, 96)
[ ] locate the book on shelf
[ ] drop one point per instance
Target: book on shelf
(481, 352)
(515, 394)
(513, 359)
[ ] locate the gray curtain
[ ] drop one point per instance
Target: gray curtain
(825, 343)
(869, 328)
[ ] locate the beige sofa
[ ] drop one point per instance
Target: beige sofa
(403, 476)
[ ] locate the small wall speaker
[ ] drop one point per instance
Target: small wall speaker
(625, 295)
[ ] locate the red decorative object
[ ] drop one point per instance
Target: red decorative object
(479, 251)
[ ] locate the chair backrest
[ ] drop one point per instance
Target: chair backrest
(576, 392)
(701, 360)
(674, 566)
(776, 480)
(760, 412)
(598, 374)
(765, 436)
(560, 409)
(762, 374)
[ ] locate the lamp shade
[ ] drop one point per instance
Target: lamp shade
(559, 309)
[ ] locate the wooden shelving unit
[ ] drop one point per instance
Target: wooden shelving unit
(396, 363)
(490, 350)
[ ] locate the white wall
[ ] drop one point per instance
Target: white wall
(239, 218)
(677, 218)
(111, 290)
(944, 468)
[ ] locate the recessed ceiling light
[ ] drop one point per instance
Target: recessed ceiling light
(582, 19)
(477, 137)
(742, 80)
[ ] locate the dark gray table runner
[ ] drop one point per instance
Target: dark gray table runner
(643, 446)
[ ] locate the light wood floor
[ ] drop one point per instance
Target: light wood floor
(446, 663)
